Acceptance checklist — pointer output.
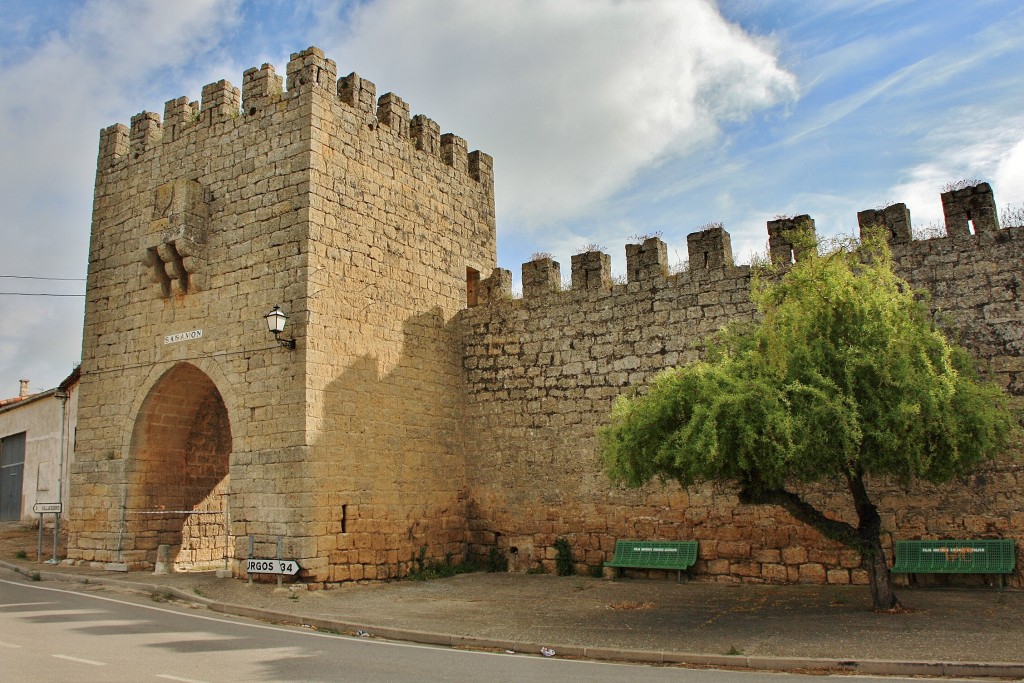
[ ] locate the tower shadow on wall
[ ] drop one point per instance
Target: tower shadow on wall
(390, 462)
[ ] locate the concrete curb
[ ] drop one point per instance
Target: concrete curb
(1013, 670)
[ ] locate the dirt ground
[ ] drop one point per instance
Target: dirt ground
(20, 541)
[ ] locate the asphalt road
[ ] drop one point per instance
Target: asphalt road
(96, 634)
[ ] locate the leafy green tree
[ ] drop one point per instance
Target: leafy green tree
(843, 378)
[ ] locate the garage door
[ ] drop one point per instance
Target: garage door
(12, 473)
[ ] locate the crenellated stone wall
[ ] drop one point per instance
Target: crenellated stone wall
(543, 371)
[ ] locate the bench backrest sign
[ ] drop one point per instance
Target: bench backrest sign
(257, 566)
(953, 554)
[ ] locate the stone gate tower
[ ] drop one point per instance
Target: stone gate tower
(370, 230)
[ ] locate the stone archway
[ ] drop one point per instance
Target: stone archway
(180, 461)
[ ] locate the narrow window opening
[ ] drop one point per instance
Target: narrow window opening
(970, 226)
(707, 259)
(344, 519)
(472, 282)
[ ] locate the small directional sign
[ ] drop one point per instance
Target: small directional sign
(47, 508)
(286, 567)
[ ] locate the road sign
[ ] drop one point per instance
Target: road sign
(47, 508)
(286, 567)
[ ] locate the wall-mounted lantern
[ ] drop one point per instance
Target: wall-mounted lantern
(276, 321)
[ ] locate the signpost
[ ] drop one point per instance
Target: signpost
(280, 566)
(285, 567)
(48, 509)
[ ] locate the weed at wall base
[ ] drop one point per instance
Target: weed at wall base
(563, 558)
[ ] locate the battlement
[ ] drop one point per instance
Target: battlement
(262, 90)
(648, 261)
(893, 219)
(970, 213)
(541, 276)
(709, 249)
(591, 270)
(259, 88)
(784, 247)
(647, 265)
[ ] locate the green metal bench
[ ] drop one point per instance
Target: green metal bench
(677, 555)
(985, 556)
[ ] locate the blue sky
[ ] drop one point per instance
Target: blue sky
(606, 119)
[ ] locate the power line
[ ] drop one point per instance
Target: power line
(33, 277)
(47, 279)
(39, 294)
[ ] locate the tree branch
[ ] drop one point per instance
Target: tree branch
(804, 512)
(870, 520)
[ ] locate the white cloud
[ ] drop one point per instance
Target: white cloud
(85, 74)
(81, 78)
(571, 97)
(990, 151)
(1009, 174)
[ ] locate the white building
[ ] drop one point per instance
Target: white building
(37, 439)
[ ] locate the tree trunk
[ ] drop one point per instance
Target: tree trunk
(869, 530)
(866, 537)
(883, 593)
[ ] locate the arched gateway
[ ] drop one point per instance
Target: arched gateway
(179, 464)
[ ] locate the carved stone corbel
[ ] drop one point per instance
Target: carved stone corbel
(175, 247)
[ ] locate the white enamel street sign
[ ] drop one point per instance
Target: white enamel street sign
(183, 336)
(286, 567)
